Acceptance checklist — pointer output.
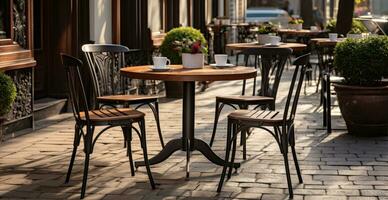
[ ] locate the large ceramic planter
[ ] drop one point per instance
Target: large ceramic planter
(364, 109)
(193, 61)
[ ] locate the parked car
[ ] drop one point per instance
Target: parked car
(260, 15)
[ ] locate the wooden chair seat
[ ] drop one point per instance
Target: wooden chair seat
(240, 99)
(261, 117)
(120, 99)
(111, 115)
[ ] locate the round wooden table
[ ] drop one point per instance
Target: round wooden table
(188, 77)
(296, 47)
(300, 33)
(326, 42)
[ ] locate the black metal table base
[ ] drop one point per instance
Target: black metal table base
(177, 144)
(187, 141)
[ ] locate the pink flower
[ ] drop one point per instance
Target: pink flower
(195, 48)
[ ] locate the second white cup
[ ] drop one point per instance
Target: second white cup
(161, 62)
(333, 36)
(274, 40)
(221, 59)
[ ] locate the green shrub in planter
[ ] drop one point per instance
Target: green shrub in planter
(7, 94)
(357, 27)
(267, 28)
(362, 62)
(179, 34)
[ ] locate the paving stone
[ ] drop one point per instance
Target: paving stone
(334, 166)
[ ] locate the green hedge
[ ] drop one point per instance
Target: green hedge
(7, 94)
(362, 62)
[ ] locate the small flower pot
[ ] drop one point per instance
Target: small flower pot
(264, 38)
(297, 27)
(354, 36)
(193, 61)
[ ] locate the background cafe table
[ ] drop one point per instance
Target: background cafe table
(188, 77)
(296, 47)
(326, 42)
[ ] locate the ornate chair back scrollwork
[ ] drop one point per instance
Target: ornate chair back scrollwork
(105, 62)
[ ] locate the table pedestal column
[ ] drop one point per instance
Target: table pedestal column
(188, 140)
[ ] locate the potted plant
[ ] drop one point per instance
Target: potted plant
(363, 96)
(357, 28)
(168, 49)
(7, 97)
(296, 24)
(265, 31)
(355, 33)
(192, 52)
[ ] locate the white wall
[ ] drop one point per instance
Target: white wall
(154, 15)
(101, 21)
(183, 18)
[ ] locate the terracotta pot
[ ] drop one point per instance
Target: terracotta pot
(364, 109)
(193, 61)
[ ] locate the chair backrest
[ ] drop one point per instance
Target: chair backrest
(295, 87)
(105, 62)
(75, 85)
(325, 57)
(271, 65)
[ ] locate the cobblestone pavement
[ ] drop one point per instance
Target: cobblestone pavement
(336, 166)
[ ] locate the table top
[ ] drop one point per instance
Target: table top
(178, 73)
(326, 41)
(303, 32)
(242, 46)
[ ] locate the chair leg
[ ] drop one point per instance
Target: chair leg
(227, 151)
(88, 140)
(155, 110)
(127, 130)
(143, 140)
(234, 141)
(243, 141)
(292, 143)
(77, 138)
(219, 107)
(284, 145)
(328, 105)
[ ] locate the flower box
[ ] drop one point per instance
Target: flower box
(192, 61)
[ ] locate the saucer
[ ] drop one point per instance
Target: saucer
(222, 66)
(158, 69)
(273, 45)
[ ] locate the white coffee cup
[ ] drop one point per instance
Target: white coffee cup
(161, 62)
(333, 36)
(221, 59)
(274, 40)
(313, 28)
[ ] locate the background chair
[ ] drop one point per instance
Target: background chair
(89, 119)
(283, 123)
(110, 88)
(271, 65)
(327, 76)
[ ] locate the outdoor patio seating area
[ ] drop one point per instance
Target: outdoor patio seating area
(334, 166)
(194, 99)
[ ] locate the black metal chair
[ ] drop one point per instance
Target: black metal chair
(89, 119)
(110, 88)
(283, 123)
(326, 77)
(272, 62)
